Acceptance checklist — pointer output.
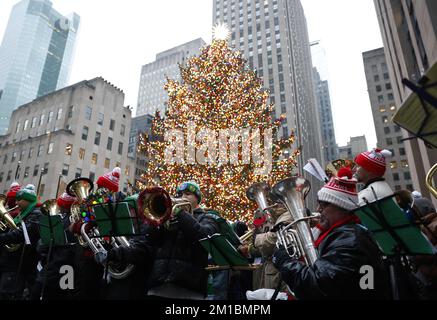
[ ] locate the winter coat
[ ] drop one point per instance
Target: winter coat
(266, 244)
(379, 186)
(336, 273)
(9, 261)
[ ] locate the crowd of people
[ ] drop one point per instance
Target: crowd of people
(169, 262)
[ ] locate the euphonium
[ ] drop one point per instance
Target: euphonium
(7, 222)
(157, 207)
(428, 180)
(296, 237)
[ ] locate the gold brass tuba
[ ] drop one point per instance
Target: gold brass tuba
(50, 208)
(157, 207)
(296, 237)
(7, 222)
(429, 184)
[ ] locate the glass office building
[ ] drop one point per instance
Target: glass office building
(35, 55)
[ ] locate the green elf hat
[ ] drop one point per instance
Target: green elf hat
(192, 187)
(28, 193)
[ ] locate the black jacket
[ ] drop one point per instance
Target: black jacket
(175, 254)
(9, 261)
(336, 273)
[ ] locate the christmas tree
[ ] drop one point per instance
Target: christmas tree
(218, 132)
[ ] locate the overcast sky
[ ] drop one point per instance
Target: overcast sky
(117, 37)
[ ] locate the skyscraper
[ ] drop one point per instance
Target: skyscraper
(35, 55)
(329, 146)
(273, 37)
(151, 94)
(388, 134)
(409, 34)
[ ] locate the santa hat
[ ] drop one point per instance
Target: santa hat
(65, 200)
(341, 190)
(110, 180)
(373, 161)
(15, 187)
(28, 193)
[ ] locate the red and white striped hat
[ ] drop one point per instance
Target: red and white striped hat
(341, 190)
(373, 161)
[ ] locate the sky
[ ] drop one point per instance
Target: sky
(117, 37)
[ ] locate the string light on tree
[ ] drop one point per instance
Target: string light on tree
(218, 91)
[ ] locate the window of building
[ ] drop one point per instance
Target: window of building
(92, 176)
(404, 163)
(107, 163)
(9, 175)
(381, 108)
(389, 141)
(386, 76)
(396, 176)
(399, 139)
(386, 130)
(390, 97)
(118, 164)
(97, 138)
(109, 144)
(46, 168)
(397, 128)
(59, 115)
(384, 119)
(94, 158)
(88, 112)
(374, 68)
(407, 175)
(22, 155)
(18, 127)
(122, 130)
(100, 119)
(402, 151)
(120, 148)
(41, 119)
(50, 148)
(78, 173)
(376, 78)
(30, 152)
(410, 187)
(35, 170)
(26, 125)
(1, 176)
(393, 164)
(127, 171)
(50, 118)
(85, 133)
(65, 169)
(68, 149)
(388, 86)
(40, 150)
(112, 125)
(70, 111)
(34, 121)
(26, 172)
(380, 99)
(378, 88)
(81, 153)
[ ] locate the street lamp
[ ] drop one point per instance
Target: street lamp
(17, 170)
(59, 183)
(39, 182)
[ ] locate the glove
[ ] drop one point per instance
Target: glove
(280, 257)
(101, 258)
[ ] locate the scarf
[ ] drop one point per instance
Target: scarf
(350, 219)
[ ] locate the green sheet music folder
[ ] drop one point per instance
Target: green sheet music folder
(391, 228)
(222, 252)
(113, 219)
(53, 229)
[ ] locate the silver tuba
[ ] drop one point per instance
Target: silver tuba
(296, 237)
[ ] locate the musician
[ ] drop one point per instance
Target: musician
(11, 201)
(178, 260)
(369, 170)
(90, 273)
(265, 243)
(18, 267)
(48, 277)
(344, 246)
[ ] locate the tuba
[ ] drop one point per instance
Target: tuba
(259, 193)
(81, 189)
(7, 222)
(157, 207)
(432, 189)
(296, 237)
(50, 208)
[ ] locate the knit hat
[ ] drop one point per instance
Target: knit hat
(341, 190)
(65, 200)
(192, 187)
(110, 180)
(28, 193)
(373, 161)
(15, 187)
